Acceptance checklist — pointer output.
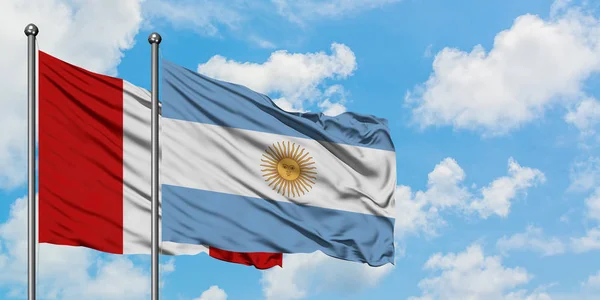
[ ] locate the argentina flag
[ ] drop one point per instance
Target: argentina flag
(240, 174)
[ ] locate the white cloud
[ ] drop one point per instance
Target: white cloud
(286, 105)
(532, 66)
(443, 185)
(587, 179)
(586, 116)
(76, 31)
(332, 109)
(428, 51)
(496, 197)
(117, 278)
(559, 6)
(585, 175)
(213, 293)
(165, 269)
(66, 272)
(201, 16)
(415, 214)
(589, 242)
(335, 98)
(303, 274)
(298, 78)
(472, 275)
(168, 267)
(524, 295)
(590, 290)
(420, 211)
(592, 204)
(301, 11)
(262, 43)
(532, 239)
(593, 282)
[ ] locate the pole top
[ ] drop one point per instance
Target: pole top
(31, 29)
(154, 38)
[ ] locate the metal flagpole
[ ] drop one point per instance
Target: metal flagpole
(154, 39)
(31, 32)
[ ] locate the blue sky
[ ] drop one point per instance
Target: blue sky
(491, 104)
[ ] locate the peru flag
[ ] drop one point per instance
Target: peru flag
(94, 166)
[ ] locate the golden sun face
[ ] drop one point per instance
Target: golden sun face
(288, 169)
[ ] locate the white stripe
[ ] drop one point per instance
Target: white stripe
(136, 177)
(227, 160)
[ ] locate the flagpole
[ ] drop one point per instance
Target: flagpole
(154, 39)
(31, 32)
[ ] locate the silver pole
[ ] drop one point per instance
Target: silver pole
(31, 32)
(154, 40)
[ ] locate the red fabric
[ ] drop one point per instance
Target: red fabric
(259, 260)
(81, 162)
(80, 157)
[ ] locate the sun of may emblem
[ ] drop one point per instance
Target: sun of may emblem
(289, 169)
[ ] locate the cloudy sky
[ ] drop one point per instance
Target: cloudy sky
(493, 108)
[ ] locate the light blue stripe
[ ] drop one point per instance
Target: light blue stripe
(246, 224)
(190, 96)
